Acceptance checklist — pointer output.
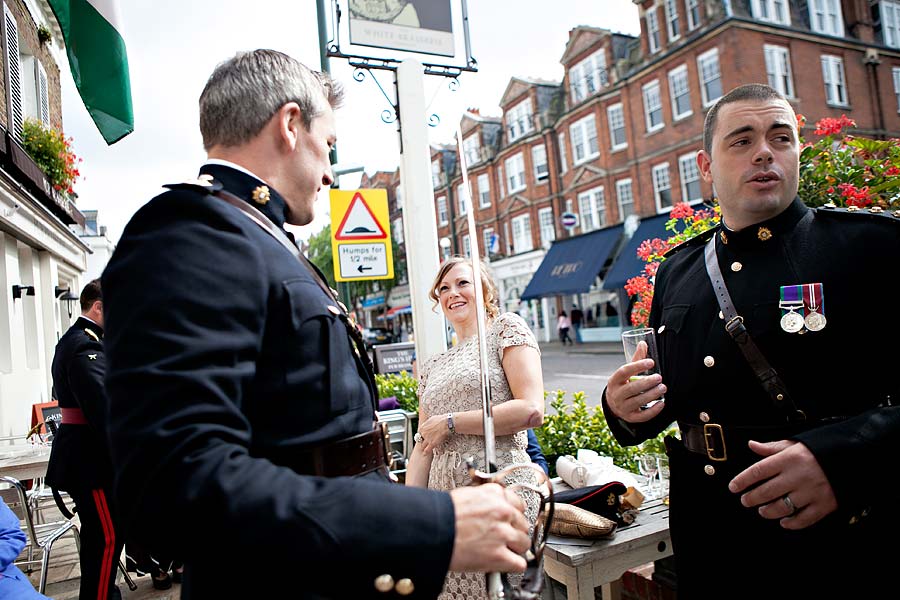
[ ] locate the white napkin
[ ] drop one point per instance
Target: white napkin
(572, 471)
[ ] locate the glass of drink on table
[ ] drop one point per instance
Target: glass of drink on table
(632, 341)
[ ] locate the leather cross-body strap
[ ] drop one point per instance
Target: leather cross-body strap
(734, 325)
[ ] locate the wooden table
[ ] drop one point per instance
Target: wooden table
(26, 466)
(583, 568)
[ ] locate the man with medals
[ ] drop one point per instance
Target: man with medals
(241, 406)
(786, 427)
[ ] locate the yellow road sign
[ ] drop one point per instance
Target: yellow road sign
(360, 235)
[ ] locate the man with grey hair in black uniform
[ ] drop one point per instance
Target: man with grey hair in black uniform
(242, 398)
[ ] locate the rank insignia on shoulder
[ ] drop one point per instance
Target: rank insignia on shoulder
(92, 357)
(261, 195)
(204, 183)
(92, 335)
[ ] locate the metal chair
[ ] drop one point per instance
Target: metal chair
(41, 536)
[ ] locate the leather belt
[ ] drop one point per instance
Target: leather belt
(356, 455)
(720, 443)
(72, 416)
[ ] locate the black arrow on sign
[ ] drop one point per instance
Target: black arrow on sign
(361, 268)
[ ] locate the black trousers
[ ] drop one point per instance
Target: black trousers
(100, 543)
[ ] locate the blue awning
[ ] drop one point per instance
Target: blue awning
(627, 264)
(572, 264)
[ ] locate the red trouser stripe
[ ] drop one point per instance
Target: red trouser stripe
(110, 536)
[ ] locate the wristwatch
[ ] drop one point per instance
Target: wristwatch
(450, 425)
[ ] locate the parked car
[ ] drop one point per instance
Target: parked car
(378, 335)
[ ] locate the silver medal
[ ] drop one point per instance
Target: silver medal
(792, 322)
(815, 321)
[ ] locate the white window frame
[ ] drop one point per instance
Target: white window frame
(835, 80)
(693, 22)
(778, 69)
(521, 228)
(772, 11)
(826, 17)
(515, 173)
(467, 245)
(486, 234)
(563, 163)
(461, 200)
(678, 78)
(588, 76)
(673, 22)
(539, 163)
(625, 201)
(654, 39)
(895, 72)
(707, 59)
(443, 215)
(689, 172)
(484, 190)
(472, 149)
(585, 129)
(652, 95)
(547, 227)
(592, 209)
(661, 183)
(397, 227)
(615, 116)
(889, 11)
(519, 120)
(436, 174)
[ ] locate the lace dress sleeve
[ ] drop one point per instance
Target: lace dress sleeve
(513, 331)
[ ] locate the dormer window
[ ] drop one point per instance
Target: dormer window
(472, 149)
(520, 120)
(588, 76)
(825, 17)
(692, 8)
(673, 23)
(889, 22)
(772, 11)
(653, 31)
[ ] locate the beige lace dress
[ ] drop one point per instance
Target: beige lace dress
(451, 382)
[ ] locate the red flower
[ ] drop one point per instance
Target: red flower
(681, 211)
(831, 126)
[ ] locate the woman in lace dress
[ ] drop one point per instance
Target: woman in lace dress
(450, 411)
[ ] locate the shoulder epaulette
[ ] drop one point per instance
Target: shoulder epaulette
(701, 237)
(875, 212)
(204, 184)
(92, 335)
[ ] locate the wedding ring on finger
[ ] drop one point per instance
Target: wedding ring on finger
(418, 438)
(787, 502)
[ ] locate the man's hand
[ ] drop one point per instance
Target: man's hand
(491, 530)
(788, 470)
(626, 396)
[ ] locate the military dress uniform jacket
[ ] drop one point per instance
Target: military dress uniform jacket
(840, 376)
(79, 458)
(226, 363)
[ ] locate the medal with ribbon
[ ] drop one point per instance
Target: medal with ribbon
(790, 302)
(814, 301)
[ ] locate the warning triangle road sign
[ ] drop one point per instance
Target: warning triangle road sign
(359, 222)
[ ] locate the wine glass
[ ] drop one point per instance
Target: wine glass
(663, 463)
(648, 466)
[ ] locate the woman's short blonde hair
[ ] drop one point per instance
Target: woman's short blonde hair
(491, 299)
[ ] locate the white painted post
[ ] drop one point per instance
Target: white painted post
(420, 231)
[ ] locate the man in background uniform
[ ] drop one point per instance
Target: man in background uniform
(781, 481)
(79, 459)
(242, 402)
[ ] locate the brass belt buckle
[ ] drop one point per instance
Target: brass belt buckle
(709, 433)
(386, 441)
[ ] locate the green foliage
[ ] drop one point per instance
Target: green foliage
(43, 34)
(400, 385)
(52, 151)
(576, 426)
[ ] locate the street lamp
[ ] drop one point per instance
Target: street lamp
(66, 295)
(444, 243)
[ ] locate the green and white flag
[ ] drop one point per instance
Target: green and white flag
(99, 62)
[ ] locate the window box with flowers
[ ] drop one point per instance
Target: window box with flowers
(839, 169)
(52, 151)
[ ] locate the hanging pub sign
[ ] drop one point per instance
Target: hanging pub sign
(424, 26)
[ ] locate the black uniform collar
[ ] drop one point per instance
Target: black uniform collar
(83, 323)
(243, 185)
(765, 232)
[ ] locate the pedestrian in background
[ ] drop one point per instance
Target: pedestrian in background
(778, 481)
(243, 404)
(577, 321)
(563, 324)
(14, 584)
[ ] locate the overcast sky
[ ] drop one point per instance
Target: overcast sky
(174, 46)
